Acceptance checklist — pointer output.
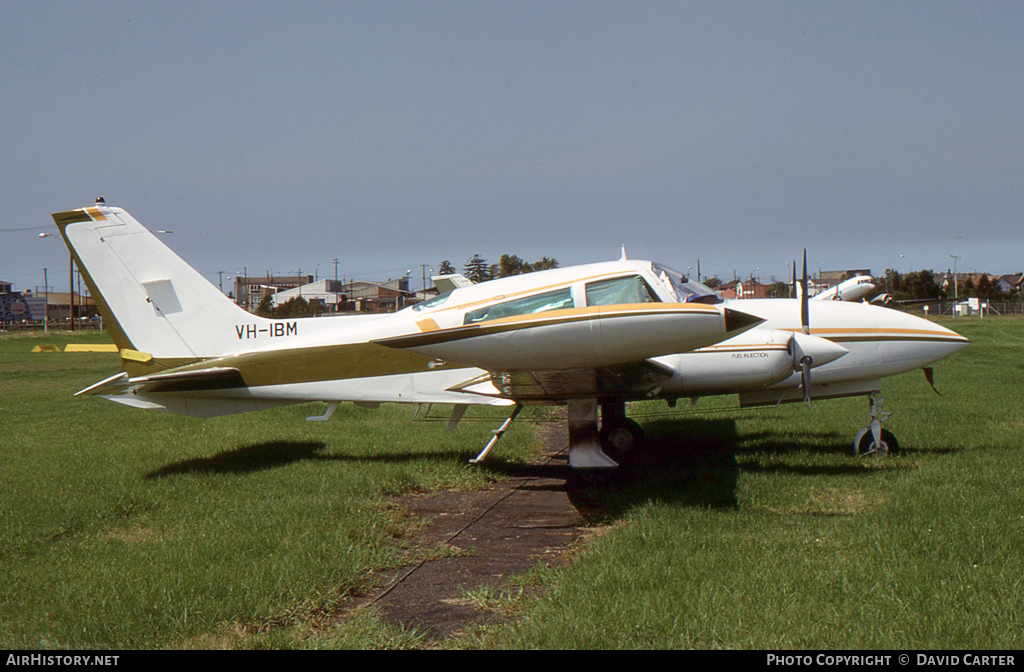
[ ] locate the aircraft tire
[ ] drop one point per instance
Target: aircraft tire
(864, 444)
(622, 440)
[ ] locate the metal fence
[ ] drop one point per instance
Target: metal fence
(991, 308)
(38, 327)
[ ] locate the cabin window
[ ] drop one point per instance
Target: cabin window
(538, 303)
(631, 289)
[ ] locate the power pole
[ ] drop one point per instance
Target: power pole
(956, 296)
(336, 306)
(46, 310)
(71, 289)
(423, 268)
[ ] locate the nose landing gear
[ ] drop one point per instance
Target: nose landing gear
(873, 440)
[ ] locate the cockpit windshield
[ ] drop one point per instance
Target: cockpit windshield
(436, 301)
(686, 290)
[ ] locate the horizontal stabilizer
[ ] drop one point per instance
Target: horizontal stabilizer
(113, 385)
(219, 378)
(481, 384)
(446, 283)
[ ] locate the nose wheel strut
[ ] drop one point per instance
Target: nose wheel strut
(873, 440)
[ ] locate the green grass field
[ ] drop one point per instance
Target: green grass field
(741, 529)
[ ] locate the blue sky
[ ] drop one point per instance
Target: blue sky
(282, 136)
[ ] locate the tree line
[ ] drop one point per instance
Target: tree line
(923, 284)
(476, 268)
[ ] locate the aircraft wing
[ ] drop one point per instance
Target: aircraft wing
(530, 385)
(575, 338)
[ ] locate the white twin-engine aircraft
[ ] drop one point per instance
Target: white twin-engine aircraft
(590, 337)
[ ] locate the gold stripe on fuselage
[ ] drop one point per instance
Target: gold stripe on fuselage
(859, 334)
(305, 365)
(550, 318)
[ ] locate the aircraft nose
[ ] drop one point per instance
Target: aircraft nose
(953, 340)
(940, 332)
(917, 340)
(737, 321)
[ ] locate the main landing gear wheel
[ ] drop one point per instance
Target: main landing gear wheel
(865, 443)
(621, 439)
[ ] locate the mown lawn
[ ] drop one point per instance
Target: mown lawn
(758, 529)
(126, 528)
(740, 529)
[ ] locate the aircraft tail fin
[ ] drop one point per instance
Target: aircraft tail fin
(152, 302)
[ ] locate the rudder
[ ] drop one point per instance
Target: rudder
(151, 300)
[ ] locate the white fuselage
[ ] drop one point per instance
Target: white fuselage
(850, 343)
(625, 329)
(877, 341)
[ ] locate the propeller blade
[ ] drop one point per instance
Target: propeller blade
(805, 377)
(805, 321)
(811, 351)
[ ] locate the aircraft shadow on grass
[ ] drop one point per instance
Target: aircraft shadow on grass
(246, 459)
(688, 461)
(273, 454)
(691, 462)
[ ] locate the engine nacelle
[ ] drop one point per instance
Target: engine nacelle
(758, 358)
(752, 360)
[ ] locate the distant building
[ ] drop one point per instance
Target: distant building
(751, 289)
(12, 305)
(1003, 283)
(249, 291)
(832, 278)
(354, 295)
(56, 306)
(60, 306)
(1008, 284)
(328, 292)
